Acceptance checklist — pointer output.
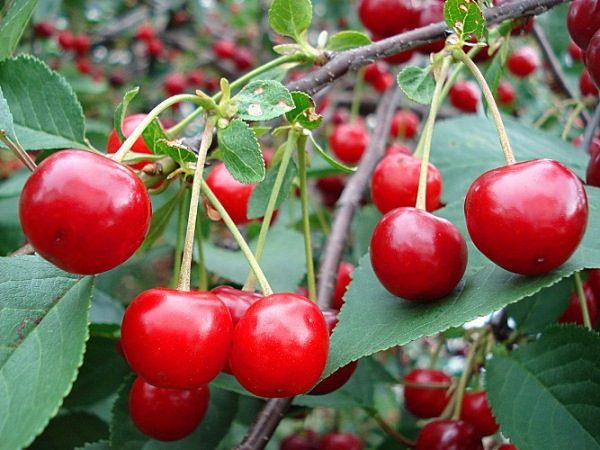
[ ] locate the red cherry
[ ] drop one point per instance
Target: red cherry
(341, 376)
(174, 83)
(448, 435)
(396, 148)
(527, 217)
(301, 440)
(341, 441)
(117, 78)
(280, 346)
(404, 124)
(592, 174)
(84, 66)
(395, 183)
(476, 411)
(65, 40)
(507, 447)
(575, 51)
(506, 93)
(43, 29)
(383, 83)
(83, 212)
(523, 62)
(166, 414)
(145, 32)
(195, 78)
(224, 49)
(374, 71)
(416, 255)
(592, 58)
(139, 146)
(426, 402)
(388, 17)
(231, 193)
(340, 116)
(464, 96)
(583, 20)
(594, 281)
(587, 87)
(573, 312)
(155, 47)
(331, 188)
(343, 279)
(348, 141)
(432, 12)
(82, 44)
(243, 58)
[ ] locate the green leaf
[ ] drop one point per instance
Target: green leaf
(330, 159)
(263, 100)
(6, 119)
(161, 218)
(346, 40)
(13, 25)
(45, 110)
(241, 153)
(495, 70)
(417, 83)
(283, 260)
(290, 17)
(121, 111)
(71, 430)
(257, 206)
(465, 17)
(156, 139)
(304, 111)
(44, 328)
(546, 395)
(100, 445)
(386, 321)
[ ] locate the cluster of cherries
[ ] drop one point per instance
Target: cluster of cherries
(311, 440)
(583, 23)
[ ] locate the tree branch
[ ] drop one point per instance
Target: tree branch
(590, 130)
(266, 423)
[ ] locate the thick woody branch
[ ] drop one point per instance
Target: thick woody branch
(266, 423)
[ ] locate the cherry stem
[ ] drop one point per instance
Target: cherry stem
(392, 432)
(357, 94)
(183, 205)
(428, 132)
(245, 249)
(582, 301)
(420, 385)
(493, 107)
(176, 129)
(571, 120)
(18, 151)
(188, 246)
(436, 351)
(139, 129)
(268, 217)
(310, 266)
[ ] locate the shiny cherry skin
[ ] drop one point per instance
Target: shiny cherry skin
(586, 85)
(426, 402)
(448, 435)
(344, 276)
(231, 193)
(83, 212)
(174, 83)
(476, 411)
(592, 174)
(139, 146)
(348, 141)
(594, 281)
(405, 124)
(416, 255)
(166, 414)
(176, 339)
(575, 51)
(507, 447)
(523, 62)
(527, 217)
(388, 17)
(383, 83)
(341, 441)
(301, 440)
(583, 20)
(592, 58)
(280, 346)
(374, 71)
(573, 312)
(341, 376)
(506, 93)
(465, 96)
(397, 148)
(395, 182)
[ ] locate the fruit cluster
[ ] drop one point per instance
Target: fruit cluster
(583, 23)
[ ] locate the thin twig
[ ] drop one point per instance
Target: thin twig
(590, 130)
(266, 422)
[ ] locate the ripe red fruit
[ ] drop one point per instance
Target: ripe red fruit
(84, 66)
(342, 281)
(65, 40)
(523, 62)
(575, 51)
(195, 78)
(395, 182)
(573, 312)
(348, 141)
(341, 376)
(374, 71)
(416, 255)
(592, 174)
(82, 44)
(507, 447)
(155, 47)
(280, 346)
(383, 83)
(43, 29)
(594, 281)
(340, 116)
(426, 402)
(431, 12)
(506, 93)
(176, 339)
(166, 414)
(224, 49)
(331, 188)
(145, 32)
(464, 96)
(341, 441)
(174, 83)
(592, 58)
(388, 17)
(243, 58)
(527, 217)
(448, 435)
(83, 212)
(397, 148)
(301, 440)
(587, 87)
(404, 124)
(583, 20)
(476, 411)
(231, 193)
(139, 146)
